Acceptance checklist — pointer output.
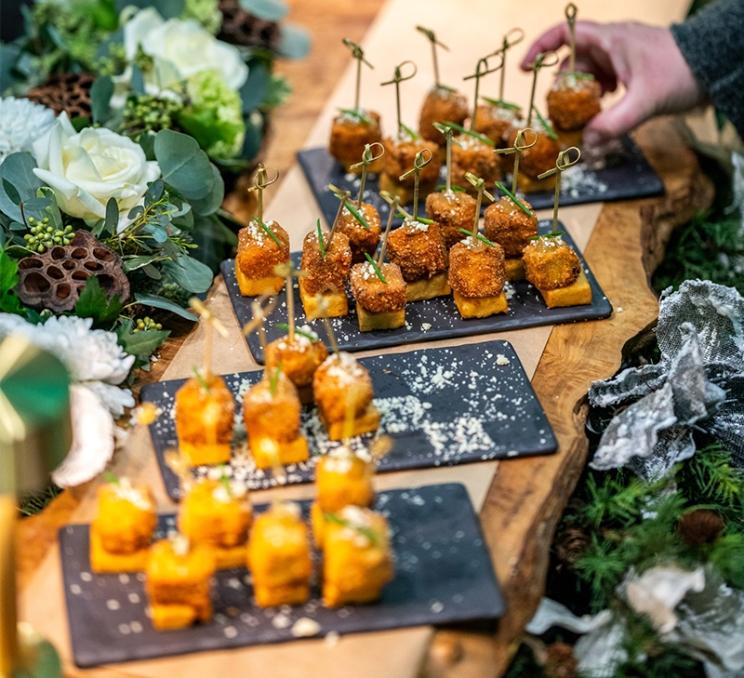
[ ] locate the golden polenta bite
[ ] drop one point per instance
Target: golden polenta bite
(216, 513)
(573, 100)
(343, 392)
(361, 225)
(495, 118)
(122, 530)
(537, 158)
(261, 247)
(342, 478)
(279, 556)
(452, 210)
(178, 581)
(399, 156)
(357, 557)
(298, 358)
(552, 266)
(271, 411)
(380, 294)
(473, 153)
(512, 223)
(204, 419)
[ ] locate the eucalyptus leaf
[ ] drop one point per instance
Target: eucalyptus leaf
(168, 9)
(295, 42)
(154, 191)
(100, 98)
(253, 92)
(212, 202)
(190, 274)
(185, 167)
(137, 82)
(164, 304)
(17, 171)
(268, 10)
(112, 215)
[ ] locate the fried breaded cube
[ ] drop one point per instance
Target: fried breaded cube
(376, 296)
(350, 134)
(441, 105)
(418, 248)
(509, 226)
(573, 101)
(298, 359)
(472, 155)
(452, 211)
(538, 158)
(361, 240)
(204, 420)
(279, 557)
(121, 532)
(325, 273)
(332, 386)
(477, 269)
(257, 256)
(398, 159)
(495, 122)
(217, 514)
(357, 558)
(550, 263)
(178, 581)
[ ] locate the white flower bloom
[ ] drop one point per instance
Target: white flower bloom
(21, 123)
(180, 49)
(87, 168)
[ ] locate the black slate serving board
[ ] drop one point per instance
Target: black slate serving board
(442, 406)
(443, 575)
(627, 174)
(427, 320)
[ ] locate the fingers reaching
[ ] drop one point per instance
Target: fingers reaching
(624, 116)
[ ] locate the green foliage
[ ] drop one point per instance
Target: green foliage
(9, 301)
(711, 478)
(95, 303)
(147, 113)
(206, 12)
(141, 343)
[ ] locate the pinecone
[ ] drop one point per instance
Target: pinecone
(55, 278)
(570, 545)
(560, 661)
(243, 28)
(68, 92)
(700, 526)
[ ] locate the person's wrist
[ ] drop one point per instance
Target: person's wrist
(685, 90)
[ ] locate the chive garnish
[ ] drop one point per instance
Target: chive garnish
(500, 103)
(409, 131)
(546, 126)
(202, 381)
(479, 236)
(274, 380)
(357, 214)
(265, 227)
(321, 242)
(551, 234)
(358, 114)
(373, 264)
(111, 478)
(423, 220)
(367, 532)
(471, 133)
(514, 198)
(579, 75)
(441, 188)
(308, 335)
(446, 88)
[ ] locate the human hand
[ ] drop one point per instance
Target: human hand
(644, 59)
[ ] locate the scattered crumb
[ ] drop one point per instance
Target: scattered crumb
(331, 639)
(280, 621)
(502, 360)
(305, 627)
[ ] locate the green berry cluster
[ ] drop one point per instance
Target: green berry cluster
(146, 323)
(149, 113)
(42, 235)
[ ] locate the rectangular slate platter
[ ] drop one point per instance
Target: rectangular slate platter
(427, 320)
(626, 175)
(441, 406)
(443, 575)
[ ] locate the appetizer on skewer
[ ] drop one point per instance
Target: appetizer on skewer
(122, 530)
(271, 411)
(380, 294)
(477, 270)
(204, 406)
(217, 514)
(342, 478)
(401, 150)
(261, 246)
(178, 581)
(360, 221)
(550, 264)
(279, 557)
(354, 128)
(442, 102)
(453, 208)
(357, 556)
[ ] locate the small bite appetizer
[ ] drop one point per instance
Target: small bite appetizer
(343, 392)
(355, 128)
(271, 410)
(472, 152)
(178, 582)
(342, 478)
(298, 358)
(380, 294)
(552, 266)
(357, 557)
(121, 532)
(261, 247)
(279, 557)
(216, 513)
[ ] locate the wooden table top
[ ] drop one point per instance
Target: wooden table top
(520, 501)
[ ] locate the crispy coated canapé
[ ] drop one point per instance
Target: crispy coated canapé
(538, 158)
(258, 254)
(349, 135)
(418, 249)
(329, 273)
(375, 296)
(472, 155)
(332, 387)
(573, 101)
(361, 239)
(126, 516)
(441, 105)
(272, 408)
(298, 358)
(204, 411)
(504, 223)
(452, 211)
(399, 157)
(495, 122)
(476, 269)
(550, 263)
(342, 478)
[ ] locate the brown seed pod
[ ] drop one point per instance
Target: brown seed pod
(55, 279)
(240, 27)
(69, 92)
(560, 661)
(700, 526)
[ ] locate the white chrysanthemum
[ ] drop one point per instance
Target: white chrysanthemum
(21, 123)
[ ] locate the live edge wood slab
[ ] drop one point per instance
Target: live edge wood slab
(520, 501)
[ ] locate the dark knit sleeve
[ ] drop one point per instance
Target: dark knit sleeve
(711, 43)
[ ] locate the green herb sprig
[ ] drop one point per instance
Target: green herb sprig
(547, 127)
(377, 269)
(111, 478)
(200, 379)
(266, 229)
(471, 133)
(357, 214)
(321, 242)
(500, 103)
(514, 199)
(479, 236)
(415, 136)
(358, 115)
(274, 380)
(365, 531)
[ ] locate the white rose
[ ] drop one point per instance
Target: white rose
(85, 169)
(181, 48)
